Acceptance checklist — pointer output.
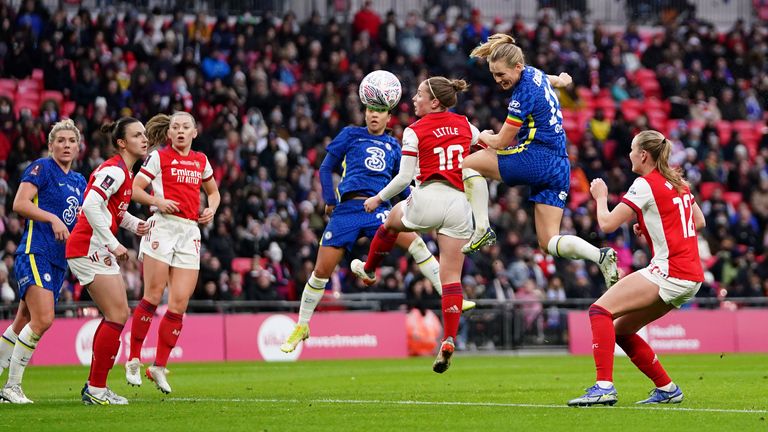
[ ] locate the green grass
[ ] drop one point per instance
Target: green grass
(478, 393)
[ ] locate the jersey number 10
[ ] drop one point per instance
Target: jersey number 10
(689, 229)
(447, 156)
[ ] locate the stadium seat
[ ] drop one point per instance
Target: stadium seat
(242, 265)
(67, 108)
(706, 189)
(733, 198)
(53, 95)
(724, 130)
(654, 104)
(8, 85)
(21, 105)
(38, 75)
(28, 86)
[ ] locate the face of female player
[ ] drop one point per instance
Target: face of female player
(64, 147)
(505, 76)
(182, 131)
(376, 120)
(423, 102)
(638, 157)
(135, 140)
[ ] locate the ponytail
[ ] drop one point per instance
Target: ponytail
(500, 47)
(660, 148)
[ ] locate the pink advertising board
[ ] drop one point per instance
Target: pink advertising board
(237, 337)
(70, 341)
(688, 331)
(332, 335)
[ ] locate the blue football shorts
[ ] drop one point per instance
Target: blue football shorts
(548, 175)
(32, 269)
(349, 221)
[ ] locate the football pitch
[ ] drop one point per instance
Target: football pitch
(478, 393)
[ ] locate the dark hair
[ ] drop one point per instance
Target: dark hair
(445, 90)
(116, 131)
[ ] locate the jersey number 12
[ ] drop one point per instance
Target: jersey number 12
(689, 228)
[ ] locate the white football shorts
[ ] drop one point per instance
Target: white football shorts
(172, 240)
(672, 290)
(438, 206)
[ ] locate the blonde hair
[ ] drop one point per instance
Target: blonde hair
(66, 124)
(659, 147)
(445, 90)
(500, 47)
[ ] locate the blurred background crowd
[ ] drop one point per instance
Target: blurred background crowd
(270, 92)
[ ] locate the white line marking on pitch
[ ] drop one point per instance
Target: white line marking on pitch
(444, 403)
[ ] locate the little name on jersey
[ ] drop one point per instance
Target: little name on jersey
(445, 130)
(184, 175)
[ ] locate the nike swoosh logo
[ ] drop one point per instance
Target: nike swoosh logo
(62, 184)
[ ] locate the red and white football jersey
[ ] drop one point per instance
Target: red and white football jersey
(114, 182)
(441, 142)
(178, 178)
(666, 218)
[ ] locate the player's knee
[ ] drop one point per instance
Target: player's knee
(41, 324)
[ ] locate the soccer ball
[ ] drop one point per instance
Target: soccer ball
(380, 89)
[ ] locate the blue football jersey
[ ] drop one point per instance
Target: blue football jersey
(535, 109)
(58, 193)
(369, 162)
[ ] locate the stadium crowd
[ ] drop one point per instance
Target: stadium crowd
(269, 94)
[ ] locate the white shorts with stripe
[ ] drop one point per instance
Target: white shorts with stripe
(85, 269)
(172, 240)
(435, 205)
(672, 290)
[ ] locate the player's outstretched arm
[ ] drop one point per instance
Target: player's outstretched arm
(608, 220)
(560, 81)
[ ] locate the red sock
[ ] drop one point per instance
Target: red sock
(168, 334)
(381, 244)
(603, 341)
(451, 303)
(106, 343)
(644, 358)
(142, 319)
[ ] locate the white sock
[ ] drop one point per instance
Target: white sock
(313, 293)
(572, 247)
(7, 342)
(97, 391)
(22, 352)
(605, 384)
(427, 263)
(668, 388)
(476, 190)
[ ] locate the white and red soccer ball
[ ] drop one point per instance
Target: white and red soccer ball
(380, 90)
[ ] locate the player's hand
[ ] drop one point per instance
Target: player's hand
(329, 209)
(60, 231)
(206, 216)
(142, 229)
(636, 229)
(121, 253)
(598, 189)
(478, 146)
(167, 206)
(372, 203)
(565, 79)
